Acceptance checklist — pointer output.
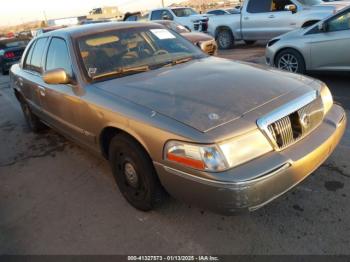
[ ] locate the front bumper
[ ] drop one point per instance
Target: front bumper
(260, 181)
(270, 56)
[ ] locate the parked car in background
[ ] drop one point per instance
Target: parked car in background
(90, 21)
(204, 41)
(324, 46)
(170, 118)
(266, 19)
(228, 11)
(185, 16)
(11, 51)
(44, 30)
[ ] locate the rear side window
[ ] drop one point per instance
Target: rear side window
(58, 57)
(259, 6)
(26, 64)
(36, 59)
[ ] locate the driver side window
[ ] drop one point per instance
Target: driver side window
(279, 5)
(266, 6)
(58, 57)
(339, 23)
(160, 14)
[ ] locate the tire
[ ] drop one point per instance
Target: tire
(249, 42)
(4, 72)
(225, 39)
(134, 173)
(290, 60)
(32, 120)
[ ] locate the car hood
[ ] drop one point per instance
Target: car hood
(198, 17)
(205, 93)
(197, 37)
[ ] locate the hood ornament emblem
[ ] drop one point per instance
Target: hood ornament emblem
(305, 120)
(214, 116)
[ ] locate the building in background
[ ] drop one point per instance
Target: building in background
(67, 21)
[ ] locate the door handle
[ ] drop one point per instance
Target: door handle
(271, 16)
(246, 18)
(20, 80)
(41, 90)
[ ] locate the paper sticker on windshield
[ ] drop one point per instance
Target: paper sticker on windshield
(162, 34)
(92, 71)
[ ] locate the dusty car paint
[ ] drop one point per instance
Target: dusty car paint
(178, 103)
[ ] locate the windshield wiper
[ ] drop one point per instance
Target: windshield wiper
(175, 61)
(182, 60)
(123, 71)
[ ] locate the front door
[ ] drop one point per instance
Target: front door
(60, 102)
(266, 19)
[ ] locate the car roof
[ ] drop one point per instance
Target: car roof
(82, 30)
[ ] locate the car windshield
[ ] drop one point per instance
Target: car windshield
(183, 12)
(310, 2)
(129, 51)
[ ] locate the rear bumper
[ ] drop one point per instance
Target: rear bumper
(265, 178)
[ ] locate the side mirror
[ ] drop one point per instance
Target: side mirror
(291, 8)
(56, 77)
(322, 27)
(166, 17)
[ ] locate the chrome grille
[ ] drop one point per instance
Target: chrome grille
(297, 123)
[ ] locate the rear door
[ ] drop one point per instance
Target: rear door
(330, 50)
(265, 19)
(31, 79)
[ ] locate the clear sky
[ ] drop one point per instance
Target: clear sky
(17, 11)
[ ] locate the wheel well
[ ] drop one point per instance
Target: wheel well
(107, 135)
(19, 96)
(283, 49)
(221, 28)
(309, 23)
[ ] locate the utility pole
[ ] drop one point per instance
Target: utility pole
(45, 17)
(163, 3)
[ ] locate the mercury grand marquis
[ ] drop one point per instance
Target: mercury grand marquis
(228, 136)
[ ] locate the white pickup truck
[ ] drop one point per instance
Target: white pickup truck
(266, 19)
(185, 16)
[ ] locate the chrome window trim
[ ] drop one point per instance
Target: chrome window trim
(283, 111)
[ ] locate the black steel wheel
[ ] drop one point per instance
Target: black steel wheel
(32, 120)
(134, 173)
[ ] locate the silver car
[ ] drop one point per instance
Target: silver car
(321, 47)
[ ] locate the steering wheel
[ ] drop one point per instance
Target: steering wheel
(161, 52)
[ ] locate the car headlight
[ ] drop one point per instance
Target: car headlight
(216, 158)
(272, 42)
(327, 98)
